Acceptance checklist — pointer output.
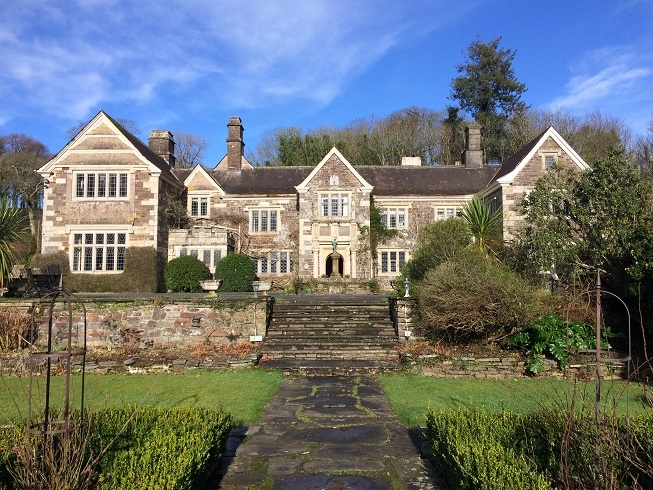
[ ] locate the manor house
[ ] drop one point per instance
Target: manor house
(106, 191)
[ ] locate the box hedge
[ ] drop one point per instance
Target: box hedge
(237, 272)
(184, 274)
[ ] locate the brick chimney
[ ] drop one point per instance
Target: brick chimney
(472, 157)
(235, 144)
(162, 143)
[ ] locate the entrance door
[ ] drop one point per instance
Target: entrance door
(329, 265)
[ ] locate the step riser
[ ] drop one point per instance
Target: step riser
(345, 331)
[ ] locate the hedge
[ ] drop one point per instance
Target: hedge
(173, 448)
(237, 272)
(139, 276)
(474, 450)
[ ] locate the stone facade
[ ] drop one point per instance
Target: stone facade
(106, 185)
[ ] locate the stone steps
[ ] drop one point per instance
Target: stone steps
(308, 334)
(331, 367)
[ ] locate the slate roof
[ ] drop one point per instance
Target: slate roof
(387, 181)
(512, 162)
(145, 150)
(427, 181)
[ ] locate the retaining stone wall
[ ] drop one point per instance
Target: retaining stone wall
(153, 324)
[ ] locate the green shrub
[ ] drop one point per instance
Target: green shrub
(474, 449)
(237, 272)
(173, 449)
(139, 276)
(436, 243)
(472, 296)
(551, 336)
(184, 274)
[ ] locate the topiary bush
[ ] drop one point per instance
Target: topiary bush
(184, 274)
(237, 272)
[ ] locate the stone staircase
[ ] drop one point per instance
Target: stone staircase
(331, 335)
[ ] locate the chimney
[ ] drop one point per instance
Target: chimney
(235, 144)
(411, 161)
(472, 157)
(162, 143)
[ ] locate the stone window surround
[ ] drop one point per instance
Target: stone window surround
(446, 212)
(198, 198)
(106, 230)
(214, 253)
(271, 262)
(256, 219)
(400, 217)
(391, 260)
(551, 155)
(343, 204)
(121, 183)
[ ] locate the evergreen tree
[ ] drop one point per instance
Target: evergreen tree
(487, 89)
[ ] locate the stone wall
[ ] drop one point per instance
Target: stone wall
(512, 368)
(155, 324)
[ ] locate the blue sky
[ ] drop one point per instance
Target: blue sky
(191, 64)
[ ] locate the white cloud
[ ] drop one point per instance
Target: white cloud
(605, 74)
(69, 59)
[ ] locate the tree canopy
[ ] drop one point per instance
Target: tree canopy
(488, 89)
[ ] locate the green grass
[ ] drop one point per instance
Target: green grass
(412, 395)
(242, 393)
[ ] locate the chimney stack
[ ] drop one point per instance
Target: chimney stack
(235, 144)
(162, 143)
(472, 157)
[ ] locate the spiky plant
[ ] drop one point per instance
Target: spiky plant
(11, 226)
(483, 223)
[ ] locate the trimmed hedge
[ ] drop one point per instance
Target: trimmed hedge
(475, 451)
(174, 448)
(162, 448)
(139, 276)
(184, 274)
(237, 272)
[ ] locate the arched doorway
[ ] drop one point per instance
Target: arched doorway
(329, 266)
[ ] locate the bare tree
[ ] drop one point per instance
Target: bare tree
(190, 149)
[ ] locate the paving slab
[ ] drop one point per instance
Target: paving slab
(327, 433)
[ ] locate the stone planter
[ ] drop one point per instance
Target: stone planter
(211, 286)
(261, 287)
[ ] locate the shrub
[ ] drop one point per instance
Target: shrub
(184, 274)
(237, 272)
(475, 450)
(139, 276)
(472, 296)
(174, 448)
(436, 243)
(553, 337)
(15, 327)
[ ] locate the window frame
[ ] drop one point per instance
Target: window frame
(201, 201)
(391, 260)
(396, 214)
(275, 262)
(91, 252)
(334, 205)
(264, 220)
(100, 186)
(448, 212)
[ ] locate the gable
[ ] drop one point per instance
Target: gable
(334, 171)
(527, 163)
(200, 180)
(104, 142)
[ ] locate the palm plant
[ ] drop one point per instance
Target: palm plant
(484, 224)
(11, 226)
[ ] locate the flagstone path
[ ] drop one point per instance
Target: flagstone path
(327, 433)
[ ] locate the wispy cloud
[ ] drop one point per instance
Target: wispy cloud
(71, 58)
(609, 73)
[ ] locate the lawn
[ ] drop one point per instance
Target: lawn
(412, 395)
(243, 393)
